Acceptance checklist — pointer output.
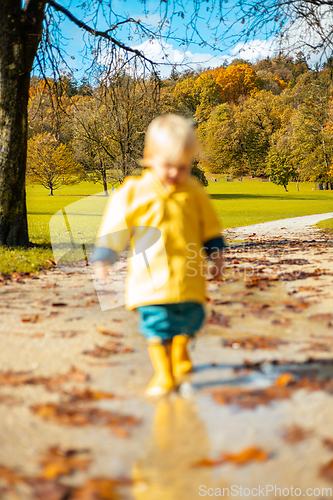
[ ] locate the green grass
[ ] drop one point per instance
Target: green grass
(253, 201)
(40, 209)
(326, 225)
(236, 203)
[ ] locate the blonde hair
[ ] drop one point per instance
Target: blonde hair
(171, 136)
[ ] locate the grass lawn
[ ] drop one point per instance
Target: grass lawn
(237, 204)
(326, 225)
(253, 201)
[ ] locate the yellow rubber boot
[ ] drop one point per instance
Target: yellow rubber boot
(163, 381)
(181, 362)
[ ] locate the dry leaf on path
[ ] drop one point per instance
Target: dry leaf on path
(218, 319)
(69, 414)
(328, 442)
(103, 331)
(46, 489)
(57, 462)
(285, 379)
(242, 458)
(296, 307)
(108, 349)
(283, 389)
(321, 317)
(252, 343)
(326, 471)
(295, 434)
(87, 395)
(282, 321)
(30, 319)
(100, 489)
(50, 383)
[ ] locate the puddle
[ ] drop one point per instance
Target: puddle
(196, 427)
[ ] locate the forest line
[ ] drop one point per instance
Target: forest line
(270, 119)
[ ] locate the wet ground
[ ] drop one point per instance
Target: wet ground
(254, 419)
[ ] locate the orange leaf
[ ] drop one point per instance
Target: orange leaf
(285, 379)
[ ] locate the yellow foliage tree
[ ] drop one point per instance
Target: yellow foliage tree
(235, 81)
(50, 163)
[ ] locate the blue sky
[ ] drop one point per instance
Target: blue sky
(171, 50)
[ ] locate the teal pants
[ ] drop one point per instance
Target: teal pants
(159, 323)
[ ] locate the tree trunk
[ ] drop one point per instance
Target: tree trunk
(105, 184)
(20, 31)
(298, 178)
(51, 191)
(285, 188)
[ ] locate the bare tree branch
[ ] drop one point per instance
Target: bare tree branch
(101, 34)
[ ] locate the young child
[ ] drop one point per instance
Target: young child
(171, 224)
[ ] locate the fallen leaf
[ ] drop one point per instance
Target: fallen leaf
(107, 349)
(10, 476)
(296, 307)
(281, 321)
(328, 443)
(294, 262)
(69, 414)
(326, 471)
(110, 333)
(87, 395)
(30, 319)
(247, 455)
(252, 343)
(242, 458)
(50, 383)
(295, 434)
(100, 489)
(283, 389)
(321, 317)
(57, 462)
(285, 379)
(316, 346)
(45, 489)
(218, 319)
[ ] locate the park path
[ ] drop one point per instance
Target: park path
(256, 411)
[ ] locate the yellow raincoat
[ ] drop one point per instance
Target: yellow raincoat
(167, 229)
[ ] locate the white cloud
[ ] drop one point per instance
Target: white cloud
(165, 54)
(255, 50)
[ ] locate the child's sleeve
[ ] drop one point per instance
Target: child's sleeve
(113, 235)
(211, 227)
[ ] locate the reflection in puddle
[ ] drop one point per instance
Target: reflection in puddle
(178, 440)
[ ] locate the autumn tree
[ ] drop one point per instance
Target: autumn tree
(92, 144)
(32, 36)
(280, 168)
(312, 137)
(109, 126)
(235, 81)
(48, 108)
(50, 163)
(218, 155)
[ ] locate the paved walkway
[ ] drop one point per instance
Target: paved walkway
(271, 316)
(279, 227)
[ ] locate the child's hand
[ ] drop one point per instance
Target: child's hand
(101, 269)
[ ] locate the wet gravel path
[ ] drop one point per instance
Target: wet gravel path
(73, 377)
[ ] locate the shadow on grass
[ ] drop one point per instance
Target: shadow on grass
(235, 196)
(44, 246)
